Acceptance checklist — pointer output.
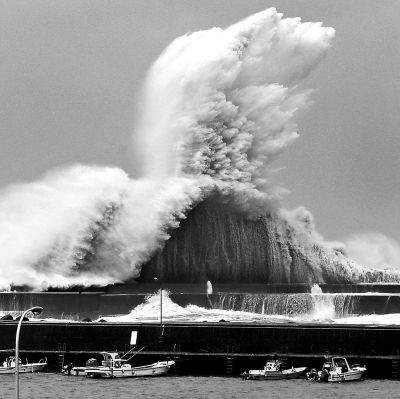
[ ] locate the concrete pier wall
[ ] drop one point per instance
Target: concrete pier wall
(205, 343)
(206, 337)
(77, 306)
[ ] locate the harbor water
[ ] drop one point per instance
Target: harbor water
(55, 385)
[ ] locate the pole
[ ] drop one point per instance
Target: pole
(36, 310)
(161, 328)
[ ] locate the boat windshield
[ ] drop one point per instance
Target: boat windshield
(340, 362)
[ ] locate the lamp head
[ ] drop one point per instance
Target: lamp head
(36, 310)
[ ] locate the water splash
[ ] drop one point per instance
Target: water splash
(324, 306)
(209, 288)
(225, 102)
(218, 108)
(150, 311)
(86, 226)
(314, 306)
(316, 289)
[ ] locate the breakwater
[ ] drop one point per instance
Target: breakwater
(209, 347)
(284, 299)
(342, 305)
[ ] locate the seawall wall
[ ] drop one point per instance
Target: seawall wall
(190, 342)
(81, 305)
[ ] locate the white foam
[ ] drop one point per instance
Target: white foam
(150, 311)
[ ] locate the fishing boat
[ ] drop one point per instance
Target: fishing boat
(272, 371)
(336, 369)
(9, 366)
(114, 366)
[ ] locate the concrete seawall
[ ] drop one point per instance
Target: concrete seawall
(205, 337)
(77, 306)
(202, 348)
(201, 344)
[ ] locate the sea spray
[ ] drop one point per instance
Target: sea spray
(218, 108)
(86, 226)
(316, 305)
(149, 311)
(324, 307)
(221, 103)
(225, 247)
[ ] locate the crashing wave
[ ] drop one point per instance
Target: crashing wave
(217, 110)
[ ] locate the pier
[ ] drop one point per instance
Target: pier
(209, 348)
(204, 348)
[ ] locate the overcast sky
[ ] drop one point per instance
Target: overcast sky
(71, 72)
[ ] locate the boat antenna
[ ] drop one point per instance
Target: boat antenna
(130, 350)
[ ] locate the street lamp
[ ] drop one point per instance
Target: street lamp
(161, 329)
(35, 310)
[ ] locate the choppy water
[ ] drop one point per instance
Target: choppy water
(50, 386)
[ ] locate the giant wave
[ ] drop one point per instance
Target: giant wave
(217, 109)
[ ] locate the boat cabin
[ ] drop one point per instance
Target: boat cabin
(111, 359)
(340, 365)
(272, 366)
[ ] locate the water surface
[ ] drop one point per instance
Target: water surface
(55, 385)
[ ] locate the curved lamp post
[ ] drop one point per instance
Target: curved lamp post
(35, 310)
(161, 329)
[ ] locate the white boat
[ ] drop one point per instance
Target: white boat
(272, 371)
(9, 366)
(112, 366)
(337, 369)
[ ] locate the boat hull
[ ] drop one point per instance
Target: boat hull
(344, 377)
(24, 368)
(274, 375)
(108, 372)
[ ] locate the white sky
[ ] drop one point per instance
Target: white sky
(71, 71)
